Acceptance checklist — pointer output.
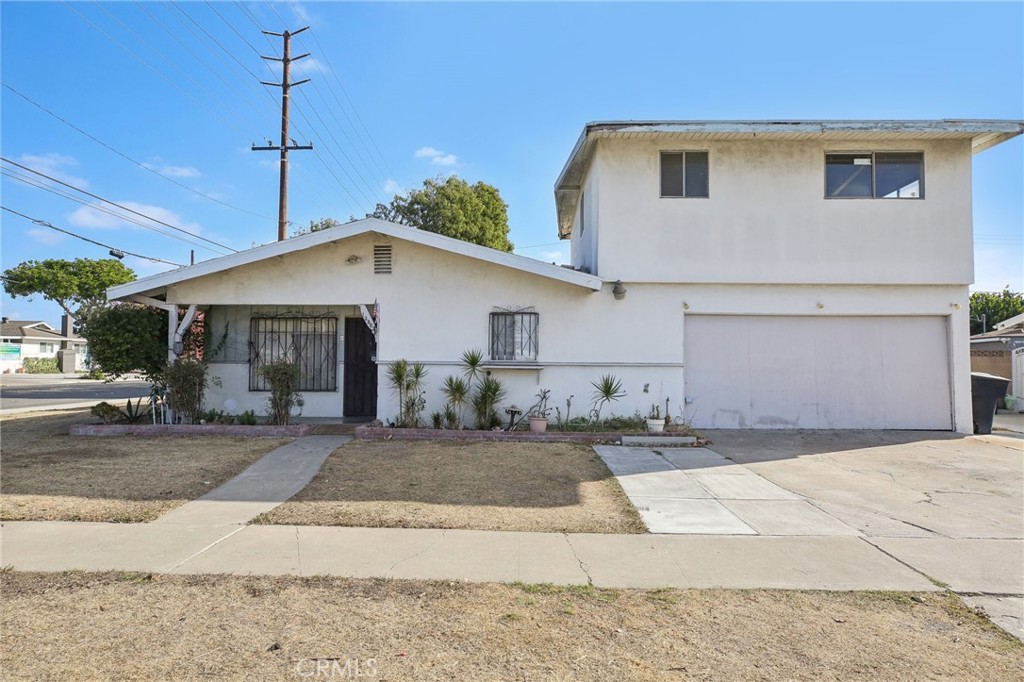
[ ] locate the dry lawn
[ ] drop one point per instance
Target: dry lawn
(134, 627)
(544, 487)
(48, 475)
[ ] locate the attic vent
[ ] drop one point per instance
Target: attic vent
(382, 259)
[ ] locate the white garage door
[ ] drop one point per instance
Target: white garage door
(817, 372)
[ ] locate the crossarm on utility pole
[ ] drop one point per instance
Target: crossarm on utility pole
(286, 60)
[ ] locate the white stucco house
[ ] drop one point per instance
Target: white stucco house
(24, 339)
(766, 274)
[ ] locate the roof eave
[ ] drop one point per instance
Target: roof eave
(157, 284)
(984, 134)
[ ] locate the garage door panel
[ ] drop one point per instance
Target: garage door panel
(817, 372)
(781, 380)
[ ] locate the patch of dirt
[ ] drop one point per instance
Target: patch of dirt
(142, 627)
(48, 475)
(544, 487)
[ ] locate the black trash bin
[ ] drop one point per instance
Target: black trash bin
(986, 391)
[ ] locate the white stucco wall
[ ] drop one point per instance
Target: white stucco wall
(436, 304)
(767, 221)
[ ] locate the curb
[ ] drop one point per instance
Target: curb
(382, 433)
(258, 431)
(51, 408)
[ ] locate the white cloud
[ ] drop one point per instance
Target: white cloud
(554, 257)
(174, 171)
(392, 187)
(54, 164)
(436, 156)
(91, 217)
(44, 236)
(308, 67)
(301, 13)
(147, 266)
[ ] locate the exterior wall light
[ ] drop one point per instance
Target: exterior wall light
(619, 291)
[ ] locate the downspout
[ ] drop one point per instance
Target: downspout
(175, 330)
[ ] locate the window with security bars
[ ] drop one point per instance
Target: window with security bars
(514, 336)
(310, 342)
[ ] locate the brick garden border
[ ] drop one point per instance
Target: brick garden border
(256, 431)
(382, 433)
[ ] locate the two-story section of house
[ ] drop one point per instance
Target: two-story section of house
(818, 270)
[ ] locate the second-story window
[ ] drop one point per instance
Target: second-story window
(878, 175)
(684, 174)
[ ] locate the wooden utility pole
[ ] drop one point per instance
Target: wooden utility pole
(284, 147)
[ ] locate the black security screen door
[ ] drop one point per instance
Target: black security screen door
(360, 369)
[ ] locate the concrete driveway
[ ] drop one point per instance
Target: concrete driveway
(947, 506)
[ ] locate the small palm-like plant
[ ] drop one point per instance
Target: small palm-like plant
(489, 392)
(473, 364)
(406, 379)
(456, 393)
(607, 389)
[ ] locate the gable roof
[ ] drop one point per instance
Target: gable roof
(28, 329)
(153, 284)
(982, 134)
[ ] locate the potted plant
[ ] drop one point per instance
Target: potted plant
(538, 414)
(655, 424)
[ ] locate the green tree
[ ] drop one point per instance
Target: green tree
(989, 307)
(454, 208)
(316, 226)
(78, 286)
(127, 337)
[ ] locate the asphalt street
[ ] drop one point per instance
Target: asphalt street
(24, 391)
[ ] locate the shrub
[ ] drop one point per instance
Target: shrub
(40, 365)
(283, 377)
(126, 338)
(105, 411)
(247, 418)
(186, 386)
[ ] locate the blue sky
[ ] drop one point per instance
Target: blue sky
(497, 92)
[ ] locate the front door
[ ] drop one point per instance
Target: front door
(360, 369)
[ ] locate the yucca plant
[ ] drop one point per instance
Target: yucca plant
(456, 393)
(406, 380)
(473, 364)
(489, 392)
(607, 389)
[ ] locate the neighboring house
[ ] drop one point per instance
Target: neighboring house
(35, 339)
(1001, 352)
(754, 274)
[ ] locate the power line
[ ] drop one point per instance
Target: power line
(14, 174)
(112, 249)
(214, 110)
(128, 158)
(386, 169)
(123, 208)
